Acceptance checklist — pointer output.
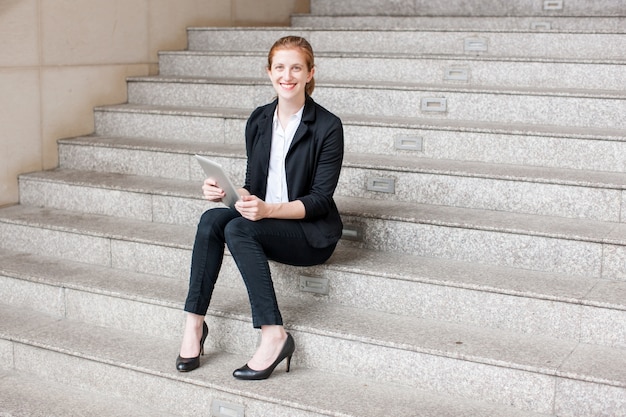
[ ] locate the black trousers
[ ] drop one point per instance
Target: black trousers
(252, 244)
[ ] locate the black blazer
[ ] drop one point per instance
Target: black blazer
(312, 166)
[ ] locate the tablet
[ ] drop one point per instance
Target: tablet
(215, 171)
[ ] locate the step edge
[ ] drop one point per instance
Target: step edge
(613, 135)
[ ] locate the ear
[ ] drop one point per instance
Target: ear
(311, 74)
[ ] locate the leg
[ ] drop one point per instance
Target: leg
(206, 261)
(252, 244)
(188, 358)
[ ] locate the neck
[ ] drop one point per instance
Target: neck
(287, 108)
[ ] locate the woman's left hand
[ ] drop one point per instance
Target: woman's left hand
(252, 207)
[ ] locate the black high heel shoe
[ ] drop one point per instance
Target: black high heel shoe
(247, 373)
(189, 364)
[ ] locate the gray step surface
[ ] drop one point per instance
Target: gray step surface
(140, 196)
(419, 69)
(515, 189)
(28, 395)
(473, 309)
(542, 23)
(232, 157)
(535, 303)
(121, 201)
(524, 45)
(128, 369)
(165, 249)
(469, 8)
(563, 147)
(571, 108)
(471, 353)
(573, 246)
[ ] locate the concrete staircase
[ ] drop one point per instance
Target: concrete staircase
(483, 266)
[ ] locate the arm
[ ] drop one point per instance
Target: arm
(253, 208)
(317, 197)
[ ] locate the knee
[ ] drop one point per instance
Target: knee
(237, 229)
(210, 216)
(214, 221)
(239, 233)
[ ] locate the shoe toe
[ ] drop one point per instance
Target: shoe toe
(187, 364)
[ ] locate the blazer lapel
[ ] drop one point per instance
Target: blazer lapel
(265, 128)
(308, 116)
(262, 148)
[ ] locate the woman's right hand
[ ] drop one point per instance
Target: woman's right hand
(211, 191)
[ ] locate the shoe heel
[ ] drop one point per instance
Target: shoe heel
(205, 333)
(288, 363)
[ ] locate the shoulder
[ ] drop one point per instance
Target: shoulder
(319, 114)
(263, 112)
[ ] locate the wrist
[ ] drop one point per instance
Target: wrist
(272, 209)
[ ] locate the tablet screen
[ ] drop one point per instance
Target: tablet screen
(215, 171)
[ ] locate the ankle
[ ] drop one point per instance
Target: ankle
(193, 321)
(273, 334)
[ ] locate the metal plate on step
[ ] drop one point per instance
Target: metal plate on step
(476, 45)
(409, 143)
(381, 185)
(224, 409)
(352, 232)
(540, 25)
(456, 74)
(434, 104)
(553, 5)
(314, 285)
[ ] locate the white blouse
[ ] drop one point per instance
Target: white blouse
(281, 141)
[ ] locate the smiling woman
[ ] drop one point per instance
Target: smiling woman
(286, 212)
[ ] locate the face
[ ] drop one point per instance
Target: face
(289, 74)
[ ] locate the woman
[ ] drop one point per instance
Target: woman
(286, 212)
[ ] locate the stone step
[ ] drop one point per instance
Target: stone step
(590, 310)
(100, 303)
(473, 309)
(573, 246)
(44, 267)
(540, 23)
(516, 189)
(421, 69)
(522, 45)
(140, 368)
(578, 247)
(563, 147)
(25, 394)
(455, 360)
(572, 108)
(581, 8)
